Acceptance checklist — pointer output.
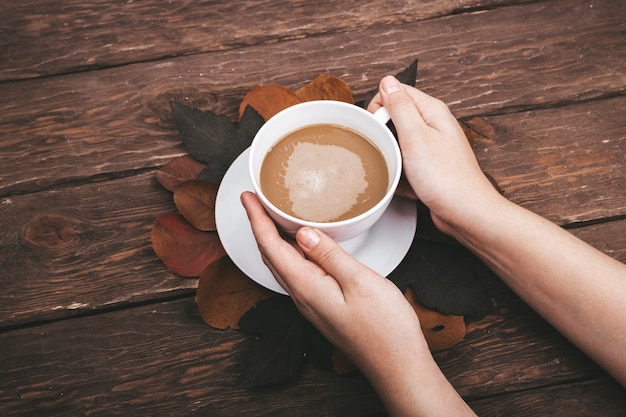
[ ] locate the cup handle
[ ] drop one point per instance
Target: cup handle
(382, 115)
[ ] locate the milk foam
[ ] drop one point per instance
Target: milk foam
(308, 183)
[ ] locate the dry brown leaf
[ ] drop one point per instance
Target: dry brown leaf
(480, 127)
(195, 199)
(441, 331)
(225, 294)
(326, 87)
(268, 100)
(179, 170)
(183, 248)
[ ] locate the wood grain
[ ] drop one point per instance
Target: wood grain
(38, 38)
(100, 123)
(92, 322)
(72, 250)
(154, 360)
(162, 359)
(68, 255)
(566, 164)
(596, 397)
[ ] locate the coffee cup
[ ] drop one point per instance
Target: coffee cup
(346, 180)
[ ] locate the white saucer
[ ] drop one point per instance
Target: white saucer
(381, 248)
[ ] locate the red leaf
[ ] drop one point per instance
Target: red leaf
(178, 170)
(183, 248)
(196, 201)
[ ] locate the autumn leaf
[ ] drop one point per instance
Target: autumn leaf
(213, 139)
(444, 278)
(406, 76)
(225, 294)
(278, 351)
(268, 100)
(481, 127)
(440, 330)
(434, 275)
(183, 248)
(195, 199)
(326, 87)
(284, 340)
(180, 169)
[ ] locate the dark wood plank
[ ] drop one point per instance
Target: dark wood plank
(118, 120)
(72, 250)
(41, 37)
(154, 360)
(162, 359)
(510, 350)
(566, 164)
(67, 250)
(589, 398)
(596, 235)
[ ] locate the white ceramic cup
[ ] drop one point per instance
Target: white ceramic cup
(371, 126)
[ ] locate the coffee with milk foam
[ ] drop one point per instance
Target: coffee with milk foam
(324, 173)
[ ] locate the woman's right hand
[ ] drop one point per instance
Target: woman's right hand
(437, 159)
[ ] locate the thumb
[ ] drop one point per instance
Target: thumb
(401, 106)
(331, 257)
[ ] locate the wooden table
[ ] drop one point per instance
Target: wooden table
(93, 323)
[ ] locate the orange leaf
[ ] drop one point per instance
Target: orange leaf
(441, 331)
(326, 87)
(268, 100)
(196, 201)
(225, 294)
(183, 248)
(480, 127)
(178, 170)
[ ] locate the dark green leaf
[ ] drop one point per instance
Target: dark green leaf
(409, 74)
(318, 349)
(406, 76)
(213, 139)
(278, 351)
(284, 340)
(443, 277)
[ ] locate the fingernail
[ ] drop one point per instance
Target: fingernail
(308, 237)
(390, 85)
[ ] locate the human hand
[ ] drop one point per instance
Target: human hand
(438, 161)
(362, 313)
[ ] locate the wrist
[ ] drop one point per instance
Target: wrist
(421, 389)
(470, 211)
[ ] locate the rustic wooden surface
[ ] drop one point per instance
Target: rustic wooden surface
(92, 323)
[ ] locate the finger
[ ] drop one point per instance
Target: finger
(409, 106)
(375, 104)
(265, 233)
(331, 257)
(294, 273)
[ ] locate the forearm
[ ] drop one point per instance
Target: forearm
(578, 289)
(418, 388)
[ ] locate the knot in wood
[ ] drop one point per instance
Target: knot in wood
(49, 231)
